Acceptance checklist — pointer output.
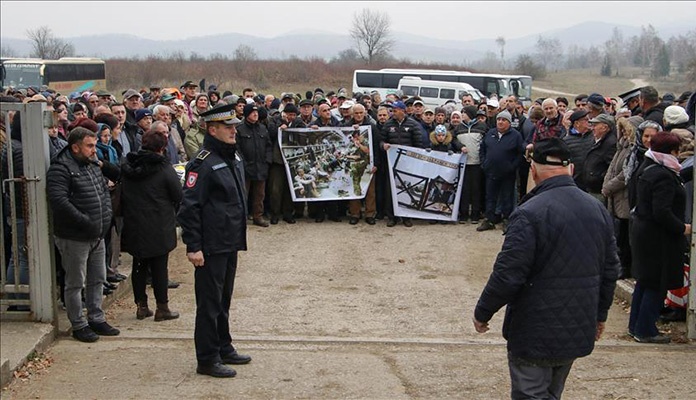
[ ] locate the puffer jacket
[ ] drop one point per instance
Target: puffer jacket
(614, 187)
(405, 133)
(78, 197)
(556, 285)
(254, 142)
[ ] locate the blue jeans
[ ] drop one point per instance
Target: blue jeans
(23, 269)
(84, 265)
(645, 310)
(499, 192)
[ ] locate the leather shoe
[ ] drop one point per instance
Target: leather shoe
(111, 286)
(289, 220)
(274, 220)
(236, 359)
(172, 285)
(353, 221)
(216, 370)
(319, 219)
(107, 292)
(121, 277)
(391, 223)
(114, 279)
(370, 220)
(261, 222)
(407, 222)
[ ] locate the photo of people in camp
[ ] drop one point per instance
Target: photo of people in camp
(327, 163)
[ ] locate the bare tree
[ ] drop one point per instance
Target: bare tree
(500, 41)
(550, 51)
(245, 53)
(45, 45)
(371, 33)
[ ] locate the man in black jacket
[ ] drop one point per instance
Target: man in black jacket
(256, 148)
(213, 221)
(81, 208)
(558, 287)
(599, 155)
(402, 130)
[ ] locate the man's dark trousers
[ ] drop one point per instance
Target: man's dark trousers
(214, 285)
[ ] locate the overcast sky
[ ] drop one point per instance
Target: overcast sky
(443, 20)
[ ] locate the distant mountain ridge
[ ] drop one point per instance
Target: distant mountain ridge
(327, 45)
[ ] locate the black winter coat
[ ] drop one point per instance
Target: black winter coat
(597, 162)
(406, 133)
(150, 198)
(254, 142)
(556, 273)
(213, 210)
(656, 113)
(658, 243)
(79, 198)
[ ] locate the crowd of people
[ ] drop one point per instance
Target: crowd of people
(613, 142)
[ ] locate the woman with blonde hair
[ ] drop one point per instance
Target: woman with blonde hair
(615, 190)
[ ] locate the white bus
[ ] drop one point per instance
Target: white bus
(65, 75)
(386, 81)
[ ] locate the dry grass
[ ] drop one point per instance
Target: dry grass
(589, 81)
(301, 75)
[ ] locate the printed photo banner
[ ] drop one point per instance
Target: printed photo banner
(327, 163)
(425, 184)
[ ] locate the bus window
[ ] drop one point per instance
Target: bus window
(444, 78)
(447, 93)
(429, 92)
(369, 79)
(22, 75)
(491, 87)
(410, 90)
(391, 81)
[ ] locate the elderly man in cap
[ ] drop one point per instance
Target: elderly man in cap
(254, 143)
(133, 102)
(501, 154)
(579, 140)
(213, 221)
(557, 286)
(600, 154)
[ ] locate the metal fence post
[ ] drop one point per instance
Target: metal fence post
(36, 159)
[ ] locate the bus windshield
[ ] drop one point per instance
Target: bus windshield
(21, 76)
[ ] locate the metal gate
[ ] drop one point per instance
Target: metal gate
(30, 293)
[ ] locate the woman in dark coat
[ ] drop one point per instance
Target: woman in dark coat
(150, 199)
(658, 236)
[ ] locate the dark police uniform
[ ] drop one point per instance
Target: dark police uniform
(213, 220)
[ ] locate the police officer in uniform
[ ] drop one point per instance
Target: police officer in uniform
(213, 219)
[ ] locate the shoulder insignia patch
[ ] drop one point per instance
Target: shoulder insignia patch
(219, 166)
(191, 179)
(202, 155)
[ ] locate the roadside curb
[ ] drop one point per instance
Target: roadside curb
(624, 290)
(41, 344)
